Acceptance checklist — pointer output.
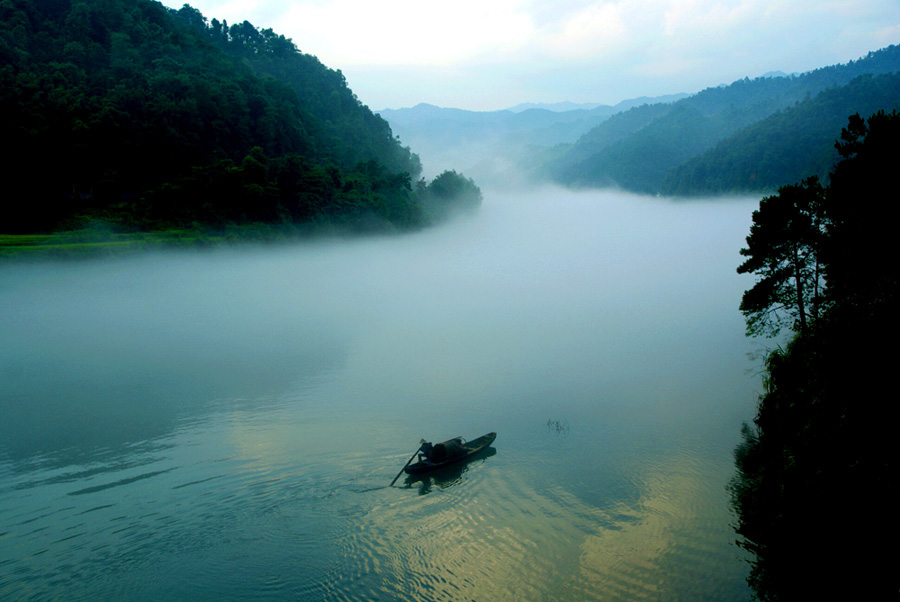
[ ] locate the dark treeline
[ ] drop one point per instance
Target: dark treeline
(149, 117)
(816, 488)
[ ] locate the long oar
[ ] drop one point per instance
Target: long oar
(404, 467)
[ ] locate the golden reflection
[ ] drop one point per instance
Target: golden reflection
(629, 559)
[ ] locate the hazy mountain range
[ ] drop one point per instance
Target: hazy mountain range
(486, 141)
(749, 136)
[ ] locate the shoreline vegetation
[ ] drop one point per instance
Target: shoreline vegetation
(815, 489)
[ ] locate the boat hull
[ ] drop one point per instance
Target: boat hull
(473, 447)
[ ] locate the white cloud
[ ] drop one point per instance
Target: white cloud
(406, 32)
(594, 29)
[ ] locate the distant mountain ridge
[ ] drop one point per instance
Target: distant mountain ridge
(561, 107)
(556, 107)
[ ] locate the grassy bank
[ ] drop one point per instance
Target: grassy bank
(91, 242)
(101, 238)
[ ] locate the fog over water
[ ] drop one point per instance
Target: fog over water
(212, 424)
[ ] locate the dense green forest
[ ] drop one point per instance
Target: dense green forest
(816, 487)
(667, 147)
(152, 118)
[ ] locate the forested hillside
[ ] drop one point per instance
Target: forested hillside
(149, 117)
(643, 149)
(761, 157)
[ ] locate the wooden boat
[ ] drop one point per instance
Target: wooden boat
(467, 449)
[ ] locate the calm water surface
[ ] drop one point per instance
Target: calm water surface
(223, 425)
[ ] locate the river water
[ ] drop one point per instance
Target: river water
(224, 424)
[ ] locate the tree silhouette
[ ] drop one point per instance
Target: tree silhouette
(783, 250)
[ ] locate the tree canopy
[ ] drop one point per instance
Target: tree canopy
(449, 193)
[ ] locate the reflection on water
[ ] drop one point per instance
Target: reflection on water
(660, 533)
(226, 424)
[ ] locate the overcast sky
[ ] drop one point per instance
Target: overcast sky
(493, 54)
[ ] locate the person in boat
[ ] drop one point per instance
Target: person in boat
(425, 450)
(443, 452)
